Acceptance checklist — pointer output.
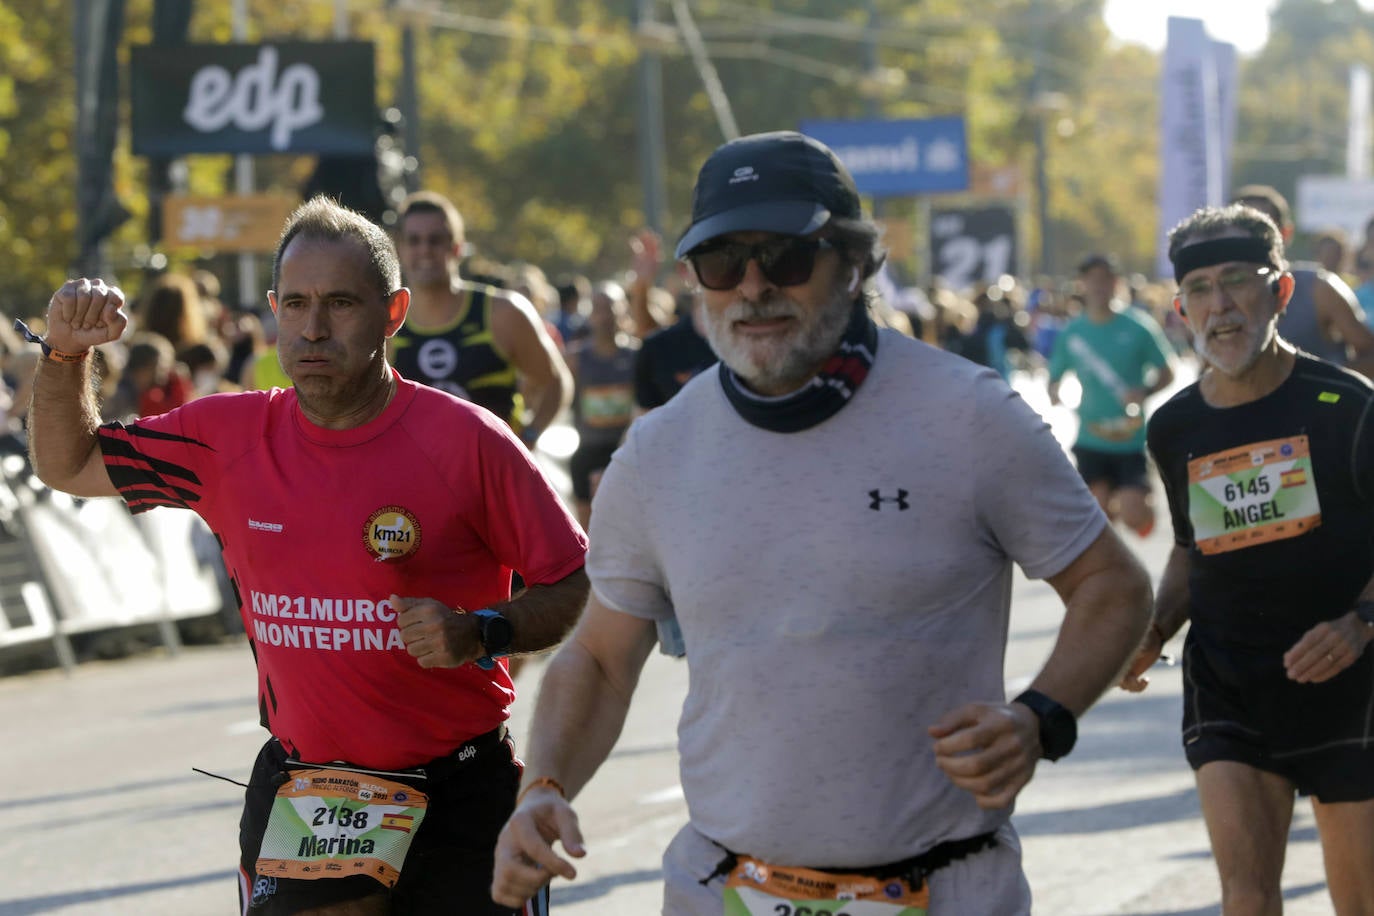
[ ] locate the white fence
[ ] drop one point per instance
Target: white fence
(70, 566)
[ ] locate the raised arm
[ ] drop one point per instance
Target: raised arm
(63, 414)
(646, 249)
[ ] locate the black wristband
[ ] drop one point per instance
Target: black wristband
(1058, 726)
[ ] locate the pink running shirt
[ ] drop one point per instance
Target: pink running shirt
(435, 498)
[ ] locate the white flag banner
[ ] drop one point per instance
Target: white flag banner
(1327, 202)
(1197, 119)
(1357, 142)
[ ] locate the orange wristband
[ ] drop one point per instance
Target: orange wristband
(541, 782)
(57, 356)
(61, 356)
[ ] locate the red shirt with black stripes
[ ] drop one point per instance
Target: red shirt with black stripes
(435, 498)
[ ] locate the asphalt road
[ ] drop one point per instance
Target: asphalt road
(105, 817)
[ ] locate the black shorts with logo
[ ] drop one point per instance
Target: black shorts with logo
(449, 866)
(1240, 706)
(1118, 469)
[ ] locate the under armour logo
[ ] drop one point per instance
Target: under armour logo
(878, 499)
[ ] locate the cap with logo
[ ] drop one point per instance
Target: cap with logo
(782, 182)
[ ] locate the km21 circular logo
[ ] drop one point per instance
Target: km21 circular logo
(391, 533)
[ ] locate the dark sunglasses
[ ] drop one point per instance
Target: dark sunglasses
(784, 261)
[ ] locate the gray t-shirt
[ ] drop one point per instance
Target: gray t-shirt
(839, 590)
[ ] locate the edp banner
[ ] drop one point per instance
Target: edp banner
(279, 97)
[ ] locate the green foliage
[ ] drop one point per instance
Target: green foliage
(528, 110)
(37, 194)
(1294, 93)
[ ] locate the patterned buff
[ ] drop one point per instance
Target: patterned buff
(822, 397)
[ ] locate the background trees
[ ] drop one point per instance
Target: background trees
(527, 111)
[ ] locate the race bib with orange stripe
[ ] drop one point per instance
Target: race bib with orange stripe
(1253, 494)
(755, 888)
(329, 822)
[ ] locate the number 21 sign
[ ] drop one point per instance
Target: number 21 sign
(970, 245)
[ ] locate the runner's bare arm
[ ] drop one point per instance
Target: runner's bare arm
(581, 709)
(545, 382)
(543, 615)
(64, 415)
(585, 694)
(646, 249)
(991, 749)
(1340, 315)
(1172, 608)
(1107, 600)
(1171, 613)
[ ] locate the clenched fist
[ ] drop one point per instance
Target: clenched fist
(84, 314)
(435, 635)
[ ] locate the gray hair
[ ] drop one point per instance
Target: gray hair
(860, 241)
(327, 220)
(1216, 222)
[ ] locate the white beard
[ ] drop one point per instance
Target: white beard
(1231, 364)
(779, 364)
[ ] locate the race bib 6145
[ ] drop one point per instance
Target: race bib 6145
(1253, 494)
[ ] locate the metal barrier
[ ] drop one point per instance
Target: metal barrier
(71, 566)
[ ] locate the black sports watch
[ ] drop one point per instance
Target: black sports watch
(1058, 727)
(497, 634)
(1365, 611)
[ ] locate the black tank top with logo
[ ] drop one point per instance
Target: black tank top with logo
(460, 357)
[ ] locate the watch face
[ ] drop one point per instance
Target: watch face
(496, 634)
(1058, 733)
(1058, 727)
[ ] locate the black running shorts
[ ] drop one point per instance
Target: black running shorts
(449, 867)
(587, 460)
(1238, 705)
(1118, 469)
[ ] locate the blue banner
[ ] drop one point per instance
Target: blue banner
(892, 158)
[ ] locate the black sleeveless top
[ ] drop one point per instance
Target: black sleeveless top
(460, 357)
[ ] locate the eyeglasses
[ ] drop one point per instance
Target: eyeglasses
(784, 261)
(1240, 282)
